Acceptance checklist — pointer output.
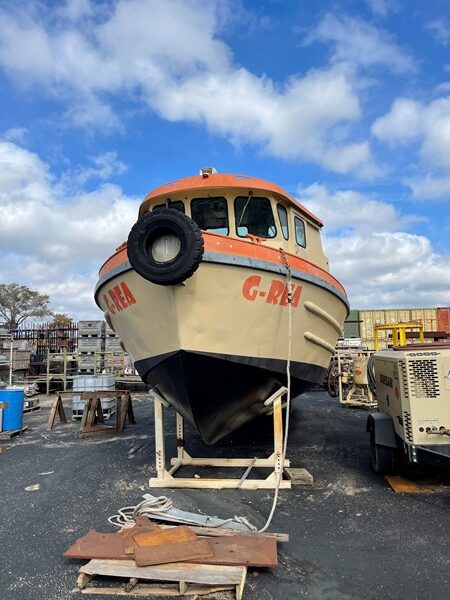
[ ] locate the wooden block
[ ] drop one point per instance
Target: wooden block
(3, 448)
(149, 590)
(247, 550)
(172, 553)
(299, 476)
(176, 535)
(175, 572)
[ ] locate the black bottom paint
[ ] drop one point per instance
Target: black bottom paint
(219, 393)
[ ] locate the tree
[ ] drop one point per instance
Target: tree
(18, 302)
(60, 320)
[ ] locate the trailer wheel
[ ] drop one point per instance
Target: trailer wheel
(382, 457)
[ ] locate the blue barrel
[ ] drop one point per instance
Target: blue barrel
(13, 415)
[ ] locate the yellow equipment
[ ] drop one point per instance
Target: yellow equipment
(398, 333)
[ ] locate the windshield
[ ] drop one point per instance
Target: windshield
(211, 214)
(254, 215)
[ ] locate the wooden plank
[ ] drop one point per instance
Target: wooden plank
(150, 589)
(299, 476)
(188, 572)
(176, 535)
(223, 531)
(172, 553)
(217, 483)
(243, 550)
(5, 435)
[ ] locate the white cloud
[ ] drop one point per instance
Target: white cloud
(440, 30)
(169, 56)
(361, 44)
(16, 134)
(382, 7)
(430, 187)
(401, 124)
(377, 262)
(410, 121)
(54, 240)
(104, 166)
(351, 210)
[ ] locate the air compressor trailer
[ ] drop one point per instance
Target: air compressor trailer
(412, 387)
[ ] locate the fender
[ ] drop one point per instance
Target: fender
(383, 427)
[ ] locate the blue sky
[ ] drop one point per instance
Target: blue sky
(345, 104)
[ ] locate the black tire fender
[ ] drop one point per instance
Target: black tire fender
(154, 225)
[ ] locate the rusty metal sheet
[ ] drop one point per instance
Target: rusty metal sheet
(143, 525)
(177, 535)
(172, 553)
(97, 545)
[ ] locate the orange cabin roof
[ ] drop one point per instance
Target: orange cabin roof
(221, 180)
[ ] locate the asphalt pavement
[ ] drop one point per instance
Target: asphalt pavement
(351, 536)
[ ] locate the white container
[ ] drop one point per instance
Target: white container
(93, 383)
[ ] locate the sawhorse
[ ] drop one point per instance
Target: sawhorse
(166, 479)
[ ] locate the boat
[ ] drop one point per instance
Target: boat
(200, 295)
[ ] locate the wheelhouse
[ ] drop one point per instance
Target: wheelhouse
(270, 219)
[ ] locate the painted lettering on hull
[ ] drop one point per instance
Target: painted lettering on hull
(276, 292)
(118, 298)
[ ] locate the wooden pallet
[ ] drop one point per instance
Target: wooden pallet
(7, 435)
(176, 579)
(28, 409)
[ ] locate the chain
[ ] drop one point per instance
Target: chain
(289, 275)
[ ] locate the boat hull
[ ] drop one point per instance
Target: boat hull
(216, 345)
(220, 393)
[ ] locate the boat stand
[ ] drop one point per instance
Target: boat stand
(166, 479)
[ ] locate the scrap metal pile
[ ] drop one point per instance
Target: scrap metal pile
(172, 559)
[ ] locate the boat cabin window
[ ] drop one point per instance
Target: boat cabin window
(254, 215)
(211, 214)
(177, 205)
(283, 216)
(300, 235)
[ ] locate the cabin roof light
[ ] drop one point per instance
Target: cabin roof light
(207, 171)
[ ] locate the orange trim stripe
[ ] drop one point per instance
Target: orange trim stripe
(226, 245)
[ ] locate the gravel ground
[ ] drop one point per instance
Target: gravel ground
(351, 537)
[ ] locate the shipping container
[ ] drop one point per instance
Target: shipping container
(427, 316)
(369, 318)
(351, 325)
(443, 319)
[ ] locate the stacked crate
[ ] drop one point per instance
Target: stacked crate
(114, 353)
(112, 341)
(90, 346)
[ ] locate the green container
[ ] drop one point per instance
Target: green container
(351, 325)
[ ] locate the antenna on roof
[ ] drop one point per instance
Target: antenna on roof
(207, 171)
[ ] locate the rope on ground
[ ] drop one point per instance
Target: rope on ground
(151, 507)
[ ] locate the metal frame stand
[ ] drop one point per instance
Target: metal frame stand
(166, 479)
